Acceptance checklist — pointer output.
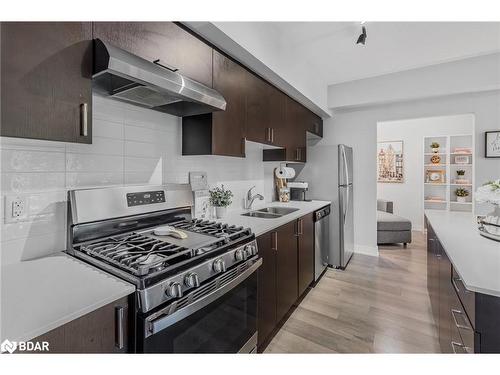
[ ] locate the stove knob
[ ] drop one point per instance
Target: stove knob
(251, 249)
(191, 280)
(219, 265)
(240, 254)
(174, 290)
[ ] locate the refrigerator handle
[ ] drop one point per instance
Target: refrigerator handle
(347, 204)
(346, 182)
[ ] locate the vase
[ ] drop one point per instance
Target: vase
(220, 211)
(461, 199)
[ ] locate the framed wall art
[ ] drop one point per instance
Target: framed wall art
(390, 162)
(492, 144)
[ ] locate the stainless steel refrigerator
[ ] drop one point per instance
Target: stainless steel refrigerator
(329, 171)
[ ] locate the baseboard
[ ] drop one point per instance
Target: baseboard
(366, 250)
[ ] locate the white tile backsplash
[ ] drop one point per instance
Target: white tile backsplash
(130, 145)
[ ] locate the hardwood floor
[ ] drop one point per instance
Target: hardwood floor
(377, 305)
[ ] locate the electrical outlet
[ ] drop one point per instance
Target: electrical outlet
(16, 208)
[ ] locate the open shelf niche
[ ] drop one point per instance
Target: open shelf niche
(456, 152)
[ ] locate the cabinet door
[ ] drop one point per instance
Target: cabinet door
(295, 136)
(305, 229)
(166, 41)
(314, 124)
(46, 85)
(228, 126)
(446, 296)
(433, 256)
(286, 269)
(104, 330)
(264, 111)
(267, 286)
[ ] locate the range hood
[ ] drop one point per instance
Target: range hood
(124, 76)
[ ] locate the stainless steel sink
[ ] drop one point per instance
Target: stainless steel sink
(263, 215)
(278, 210)
(270, 212)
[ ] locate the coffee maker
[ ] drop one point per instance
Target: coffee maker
(298, 190)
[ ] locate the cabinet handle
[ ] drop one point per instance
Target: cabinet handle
(457, 324)
(165, 65)
(274, 246)
(297, 154)
(119, 327)
(268, 134)
(455, 281)
(272, 135)
(84, 131)
(299, 227)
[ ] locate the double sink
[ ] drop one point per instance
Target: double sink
(270, 212)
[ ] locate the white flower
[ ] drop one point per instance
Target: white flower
(489, 193)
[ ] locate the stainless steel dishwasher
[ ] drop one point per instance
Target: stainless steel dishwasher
(321, 241)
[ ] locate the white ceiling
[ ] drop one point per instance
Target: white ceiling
(328, 48)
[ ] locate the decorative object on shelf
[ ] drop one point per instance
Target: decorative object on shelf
(461, 194)
(435, 176)
(435, 147)
(434, 199)
(462, 150)
(220, 198)
(460, 177)
(492, 144)
(462, 159)
(435, 159)
(390, 161)
(489, 225)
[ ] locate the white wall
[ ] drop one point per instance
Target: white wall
(476, 74)
(358, 128)
(130, 146)
(407, 196)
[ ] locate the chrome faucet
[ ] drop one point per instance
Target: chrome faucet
(250, 198)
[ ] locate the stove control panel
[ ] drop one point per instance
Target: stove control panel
(145, 197)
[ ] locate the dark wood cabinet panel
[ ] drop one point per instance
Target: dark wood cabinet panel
(305, 252)
(446, 296)
(229, 126)
(286, 269)
(222, 132)
(46, 85)
(97, 332)
(166, 41)
(296, 121)
(264, 112)
(267, 287)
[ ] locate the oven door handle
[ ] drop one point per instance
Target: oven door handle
(159, 324)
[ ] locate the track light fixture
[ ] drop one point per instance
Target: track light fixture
(362, 36)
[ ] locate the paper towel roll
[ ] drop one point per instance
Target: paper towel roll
(285, 172)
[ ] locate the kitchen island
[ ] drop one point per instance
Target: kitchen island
(463, 281)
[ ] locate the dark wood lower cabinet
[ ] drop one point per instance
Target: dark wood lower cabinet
(305, 226)
(286, 273)
(466, 321)
(105, 330)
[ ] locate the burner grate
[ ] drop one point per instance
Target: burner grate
(137, 253)
(228, 232)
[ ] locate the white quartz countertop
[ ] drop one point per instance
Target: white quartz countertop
(474, 257)
(262, 225)
(42, 294)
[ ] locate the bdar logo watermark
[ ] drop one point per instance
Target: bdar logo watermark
(8, 346)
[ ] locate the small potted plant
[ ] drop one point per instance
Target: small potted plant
(435, 147)
(220, 198)
(461, 194)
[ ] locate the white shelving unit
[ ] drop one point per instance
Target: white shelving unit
(441, 195)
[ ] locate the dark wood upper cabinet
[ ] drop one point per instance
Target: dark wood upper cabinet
(265, 106)
(167, 41)
(286, 269)
(221, 132)
(305, 230)
(46, 82)
(267, 287)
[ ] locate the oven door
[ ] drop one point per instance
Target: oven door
(219, 317)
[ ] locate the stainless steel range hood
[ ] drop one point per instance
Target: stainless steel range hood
(124, 76)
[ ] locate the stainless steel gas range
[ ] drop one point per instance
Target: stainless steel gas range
(196, 280)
